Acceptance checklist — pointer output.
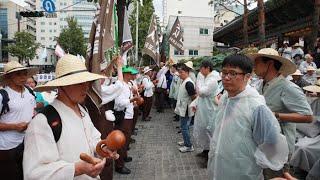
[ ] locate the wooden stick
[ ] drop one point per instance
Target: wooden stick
(87, 158)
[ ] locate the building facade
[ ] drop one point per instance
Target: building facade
(197, 35)
(11, 22)
(48, 29)
(199, 8)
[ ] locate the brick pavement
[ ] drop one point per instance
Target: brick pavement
(155, 153)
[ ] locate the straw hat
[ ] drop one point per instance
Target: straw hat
(70, 70)
(189, 64)
(288, 67)
(297, 45)
(146, 69)
(313, 88)
(297, 73)
(311, 68)
(14, 66)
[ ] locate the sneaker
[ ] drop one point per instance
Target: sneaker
(181, 143)
(186, 149)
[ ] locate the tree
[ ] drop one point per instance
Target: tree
(24, 48)
(145, 16)
(71, 39)
(315, 25)
(227, 5)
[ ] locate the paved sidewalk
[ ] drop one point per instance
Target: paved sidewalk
(155, 153)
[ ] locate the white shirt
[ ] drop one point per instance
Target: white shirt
(161, 76)
(304, 65)
(297, 51)
(123, 101)
(21, 110)
(110, 91)
(49, 96)
(148, 85)
(43, 158)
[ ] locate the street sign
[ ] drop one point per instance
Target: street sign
(51, 15)
(48, 6)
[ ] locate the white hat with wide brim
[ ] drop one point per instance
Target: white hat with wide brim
(297, 45)
(189, 64)
(313, 88)
(70, 70)
(14, 66)
(287, 68)
(146, 69)
(297, 73)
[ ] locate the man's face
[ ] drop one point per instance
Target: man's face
(204, 71)
(30, 82)
(19, 78)
(149, 74)
(233, 79)
(296, 77)
(77, 92)
(309, 60)
(260, 67)
(310, 73)
(183, 74)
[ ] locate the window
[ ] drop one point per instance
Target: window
(204, 31)
(42, 30)
(179, 12)
(50, 38)
(55, 30)
(193, 52)
(43, 23)
(50, 23)
(43, 38)
(178, 53)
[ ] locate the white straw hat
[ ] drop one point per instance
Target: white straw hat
(313, 88)
(146, 69)
(297, 73)
(311, 68)
(189, 64)
(288, 67)
(14, 66)
(297, 45)
(70, 70)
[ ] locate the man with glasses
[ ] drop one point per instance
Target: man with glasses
(244, 126)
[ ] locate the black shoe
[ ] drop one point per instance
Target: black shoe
(127, 159)
(136, 129)
(123, 170)
(178, 132)
(177, 127)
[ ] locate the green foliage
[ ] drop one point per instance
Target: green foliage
(145, 15)
(24, 48)
(71, 39)
(216, 60)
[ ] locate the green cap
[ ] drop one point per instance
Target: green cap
(126, 69)
(134, 71)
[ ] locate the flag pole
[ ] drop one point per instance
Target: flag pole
(137, 32)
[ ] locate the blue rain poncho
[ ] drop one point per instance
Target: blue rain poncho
(246, 139)
(205, 107)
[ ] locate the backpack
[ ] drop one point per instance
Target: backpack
(6, 99)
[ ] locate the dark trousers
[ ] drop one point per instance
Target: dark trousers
(160, 99)
(135, 117)
(104, 127)
(126, 127)
(147, 107)
(11, 163)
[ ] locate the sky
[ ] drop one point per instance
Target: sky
(158, 7)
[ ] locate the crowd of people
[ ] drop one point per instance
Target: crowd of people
(255, 119)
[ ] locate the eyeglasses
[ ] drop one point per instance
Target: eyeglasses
(230, 74)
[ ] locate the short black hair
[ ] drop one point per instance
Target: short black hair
(207, 64)
(183, 67)
(276, 64)
(240, 61)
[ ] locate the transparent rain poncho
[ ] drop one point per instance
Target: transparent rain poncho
(246, 139)
(206, 88)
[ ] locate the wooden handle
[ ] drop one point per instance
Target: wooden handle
(87, 158)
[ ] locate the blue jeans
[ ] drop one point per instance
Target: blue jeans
(184, 125)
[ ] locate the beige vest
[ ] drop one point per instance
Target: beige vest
(184, 100)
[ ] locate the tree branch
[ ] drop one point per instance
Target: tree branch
(229, 9)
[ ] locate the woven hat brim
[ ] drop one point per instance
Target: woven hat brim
(315, 89)
(69, 80)
(147, 71)
(31, 71)
(287, 67)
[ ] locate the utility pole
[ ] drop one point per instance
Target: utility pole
(137, 30)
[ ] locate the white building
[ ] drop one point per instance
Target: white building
(198, 8)
(48, 29)
(197, 35)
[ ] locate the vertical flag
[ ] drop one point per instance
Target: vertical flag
(100, 39)
(126, 38)
(152, 41)
(176, 37)
(59, 51)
